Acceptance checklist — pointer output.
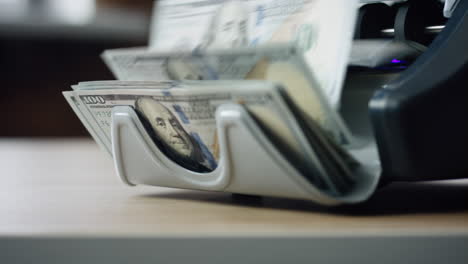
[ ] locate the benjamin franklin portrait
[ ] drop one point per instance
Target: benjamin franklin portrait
(228, 26)
(227, 29)
(170, 137)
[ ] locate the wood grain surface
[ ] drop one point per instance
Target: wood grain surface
(60, 187)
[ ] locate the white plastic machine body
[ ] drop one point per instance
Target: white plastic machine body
(249, 162)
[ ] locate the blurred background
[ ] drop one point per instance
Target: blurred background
(48, 45)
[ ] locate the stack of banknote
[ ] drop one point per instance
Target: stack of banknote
(282, 60)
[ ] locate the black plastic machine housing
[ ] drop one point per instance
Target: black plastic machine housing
(420, 119)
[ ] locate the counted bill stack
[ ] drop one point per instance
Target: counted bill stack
(283, 61)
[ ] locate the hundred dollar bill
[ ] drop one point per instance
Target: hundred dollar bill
(181, 120)
(82, 114)
(283, 64)
(323, 29)
(97, 85)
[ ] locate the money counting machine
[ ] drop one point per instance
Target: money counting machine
(417, 130)
(419, 118)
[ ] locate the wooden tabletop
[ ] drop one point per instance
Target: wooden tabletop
(69, 187)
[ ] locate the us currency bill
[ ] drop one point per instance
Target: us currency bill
(322, 29)
(83, 115)
(97, 85)
(282, 64)
(181, 120)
